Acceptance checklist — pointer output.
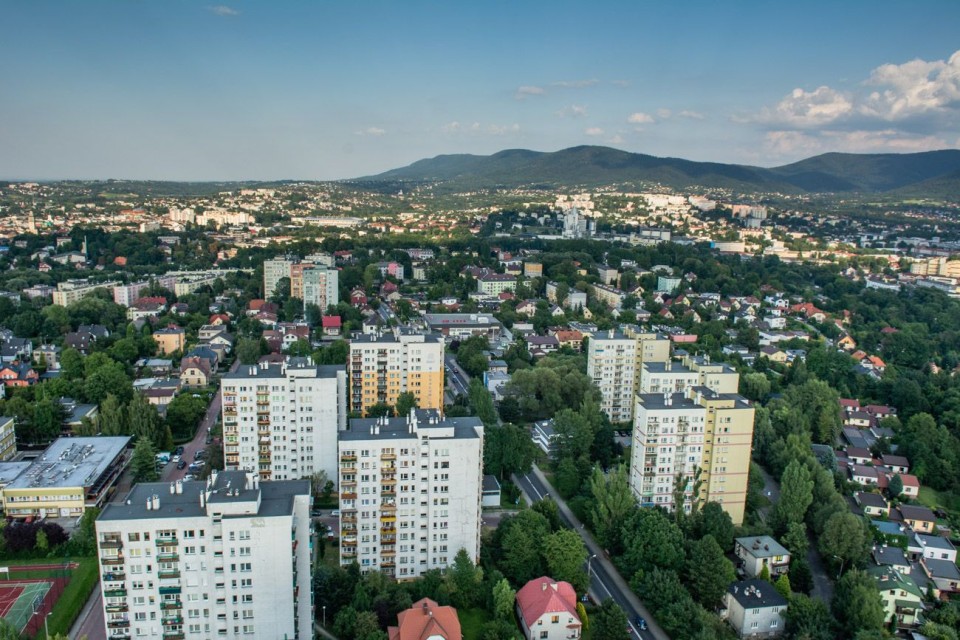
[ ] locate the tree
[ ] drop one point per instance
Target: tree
(465, 580)
(111, 420)
(652, 540)
(613, 500)
(507, 449)
(405, 402)
(713, 520)
(755, 386)
(935, 631)
(573, 435)
(144, 421)
(808, 618)
(609, 622)
(795, 539)
(42, 544)
(845, 537)
(895, 486)
(379, 410)
(708, 572)
(782, 585)
(796, 494)
(482, 403)
(503, 598)
(566, 554)
(856, 603)
(143, 463)
(248, 350)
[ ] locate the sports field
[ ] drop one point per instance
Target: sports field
(19, 600)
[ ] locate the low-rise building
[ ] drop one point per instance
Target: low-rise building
(757, 552)
(754, 609)
(873, 504)
(426, 620)
(169, 340)
(547, 610)
(8, 438)
(72, 475)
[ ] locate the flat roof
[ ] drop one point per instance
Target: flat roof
(275, 498)
(658, 401)
(71, 462)
(756, 593)
(279, 370)
(10, 470)
(762, 546)
(360, 429)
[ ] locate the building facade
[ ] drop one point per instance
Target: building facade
(382, 366)
(321, 286)
(611, 365)
(282, 420)
(275, 270)
(225, 558)
(410, 492)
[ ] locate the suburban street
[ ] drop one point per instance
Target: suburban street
(605, 581)
(457, 378)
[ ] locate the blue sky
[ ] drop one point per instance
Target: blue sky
(177, 89)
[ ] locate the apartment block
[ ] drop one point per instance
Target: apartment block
(611, 365)
(282, 420)
(8, 438)
(275, 270)
(411, 491)
(321, 286)
(226, 558)
(493, 284)
(704, 435)
(693, 371)
(73, 290)
(382, 366)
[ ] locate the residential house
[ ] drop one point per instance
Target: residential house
(891, 556)
(901, 597)
(195, 372)
(773, 354)
(548, 610)
(754, 609)
(332, 325)
(864, 475)
(757, 552)
(544, 436)
(931, 547)
(48, 355)
(917, 517)
(426, 620)
(207, 354)
(872, 504)
(859, 455)
(18, 374)
(13, 348)
(542, 344)
(568, 338)
(527, 308)
(896, 464)
(169, 340)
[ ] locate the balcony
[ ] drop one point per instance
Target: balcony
(118, 624)
(171, 605)
(111, 543)
(168, 541)
(388, 456)
(349, 457)
(114, 576)
(168, 591)
(166, 574)
(172, 619)
(112, 560)
(117, 608)
(348, 468)
(351, 519)
(168, 556)
(386, 518)
(115, 593)
(173, 635)
(348, 495)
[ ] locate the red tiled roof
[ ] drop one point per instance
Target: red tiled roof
(545, 595)
(426, 619)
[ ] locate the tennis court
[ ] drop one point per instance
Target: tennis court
(19, 600)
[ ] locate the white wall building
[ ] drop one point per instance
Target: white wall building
(612, 364)
(273, 271)
(321, 286)
(226, 558)
(411, 491)
(282, 419)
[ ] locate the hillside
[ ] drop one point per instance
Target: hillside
(594, 166)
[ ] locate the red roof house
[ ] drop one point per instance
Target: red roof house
(548, 610)
(426, 619)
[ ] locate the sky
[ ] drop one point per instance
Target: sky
(250, 90)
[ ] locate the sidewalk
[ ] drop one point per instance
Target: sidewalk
(652, 627)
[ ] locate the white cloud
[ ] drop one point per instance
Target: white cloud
(640, 118)
(620, 83)
(372, 131)
(663, 114)
(914, 88)
(576, 84)
(809, 108)
(594, 131)
(223, 10)
(693, 115)
(476, 128)
(787, 143)
(528, 90)
(573, 111)
(616, 139)
(502, 129)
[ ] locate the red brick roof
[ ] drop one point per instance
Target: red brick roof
(545, 595)
(426, 619)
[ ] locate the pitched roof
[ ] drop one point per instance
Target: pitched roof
(545, 595)
(426, 619)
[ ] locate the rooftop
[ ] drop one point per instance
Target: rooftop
(762, 546)
(653, 401)
(755, 594)
(425, 420)
(71, 462)
(281, 369)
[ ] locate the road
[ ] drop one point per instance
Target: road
(457, 378)
(605, 581)
(170, 472)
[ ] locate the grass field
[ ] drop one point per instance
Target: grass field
(471, 621)
(928, 497)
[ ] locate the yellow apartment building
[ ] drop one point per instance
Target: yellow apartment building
(382, 366)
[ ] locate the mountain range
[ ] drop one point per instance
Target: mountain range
(931, 173)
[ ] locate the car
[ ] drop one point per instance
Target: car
(335, 513)
(179, 450)
(641, 623)
(182, 464)
(189, 476)
(200, 454)
(175, 459)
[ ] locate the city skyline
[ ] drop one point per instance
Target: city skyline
(245, 90)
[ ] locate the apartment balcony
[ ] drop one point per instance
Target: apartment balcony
(389, 507)
(114, 576)
(174, 635)
(117, 608)
(111, 543)
(166, 574)
(168, 541)
(389, 539)
(170, 591)
(388, 530)
(168, 556)
(388, 518)
(348, 519)
(348, 457)
(348, 495)
(388, 493)
(172, 619)
(171, 605)
(388, 456)
(121, 634)
(112, 560)
(348, 539)
(348, 468)
(115, 593)
(388, 552)
(392, 562)
(348, 552)
(118, 624)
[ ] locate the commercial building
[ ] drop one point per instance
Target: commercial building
(410, 492)
(281, 420)
(611, 365)
(70, 476)
(225, 558)
(321, 286)
(457, 326)
(382, 366)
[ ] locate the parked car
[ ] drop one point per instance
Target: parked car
(335, 513)
(189, 476)
(641, 623)
(179, 450)
(182, 464)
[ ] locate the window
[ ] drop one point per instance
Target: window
(544, 634)
(754, 624)
(555, 619)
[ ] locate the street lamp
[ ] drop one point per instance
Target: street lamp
(588, 565)
(46, 633)
(324, 615)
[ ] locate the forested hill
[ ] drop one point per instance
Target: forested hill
(937, 172)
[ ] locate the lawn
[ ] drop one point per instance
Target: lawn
(471, 621)
(928, 497)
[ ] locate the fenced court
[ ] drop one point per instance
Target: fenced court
(20, 600)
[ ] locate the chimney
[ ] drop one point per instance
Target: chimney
(543, 586)
(203, 499)
(149, 505)
(156, 502)
(172, 489)
(179, 486)
(256, 481)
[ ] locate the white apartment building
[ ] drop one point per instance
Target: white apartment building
(73, 290)
(321, 286)
(694, 371)
(226, 558)
(282, 419)
(493, 284)
(273, 271)
(612, 364)
(411, 491)
(668, 439)
(127, 294)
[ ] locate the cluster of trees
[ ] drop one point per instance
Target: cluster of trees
(31, 539)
